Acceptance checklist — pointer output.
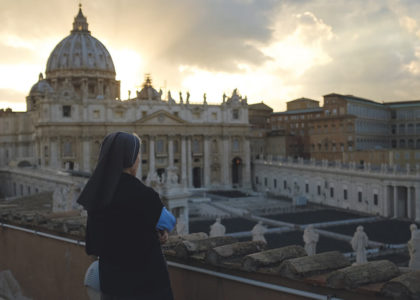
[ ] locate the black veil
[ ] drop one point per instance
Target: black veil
(119, 150)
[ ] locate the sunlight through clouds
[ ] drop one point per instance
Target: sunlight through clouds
(259, 83)
(129, 67)
(302, 49)
(274, 51)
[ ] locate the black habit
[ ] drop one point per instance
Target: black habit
(132, 263)
(121, 225)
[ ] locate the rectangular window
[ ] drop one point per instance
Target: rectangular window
(345, 194)
(195, 146)
(235, 114)
(332, 192)
(275, 183)
(284, 184)
(319, 190)
(119, 114)
(159, 146)
(96, 114)
(176, 146)
(265, 181)
(66, 111)
(143, 147)
(375, 199)
(359, 196)
(67, 149)
(235, 145)
(306, 188)
(256, 180)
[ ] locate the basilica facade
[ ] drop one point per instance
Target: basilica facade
(77, 103)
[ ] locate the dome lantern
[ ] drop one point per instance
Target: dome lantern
(80, 22)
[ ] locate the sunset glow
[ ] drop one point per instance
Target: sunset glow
(271, 51)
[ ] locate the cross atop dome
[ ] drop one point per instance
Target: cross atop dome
(147, 81)
(80, 22)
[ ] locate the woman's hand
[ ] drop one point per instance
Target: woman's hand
(163, 236)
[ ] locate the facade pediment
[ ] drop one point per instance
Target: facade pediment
(161, 117)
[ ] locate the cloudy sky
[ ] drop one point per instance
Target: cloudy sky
(272, 51)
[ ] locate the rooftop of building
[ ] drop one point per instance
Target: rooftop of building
(259, 106)
(352, 98)
(403, 104)
(282, 260)
(303, 99)
(299, 111)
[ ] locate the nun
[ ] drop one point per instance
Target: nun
(126, 224)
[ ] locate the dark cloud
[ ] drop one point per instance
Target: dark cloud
(369, 52)
(213, 35)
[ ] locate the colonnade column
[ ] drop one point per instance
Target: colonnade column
(86, 154)
(247, 158)
(409, 203)
(395, 202)
(183, 162)
(189, 162)
(151, 155)
(206, 161)
(171, 151)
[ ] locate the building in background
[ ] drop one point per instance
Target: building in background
(348, 129)
(77, 104)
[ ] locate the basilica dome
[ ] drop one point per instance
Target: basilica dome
(80, 54)
(42, 87)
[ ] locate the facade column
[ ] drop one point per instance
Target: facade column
(54, 153)
(41, 150)
(395, 202)
(225, 161)
(139, 173)
(86, 155)
(409, 203)
(416, 196)
(37, 153)
(246, 181)
(2, 156)
(206, 161)
(189, 163)
(183, 162)
(171, 151)
(151, 155)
